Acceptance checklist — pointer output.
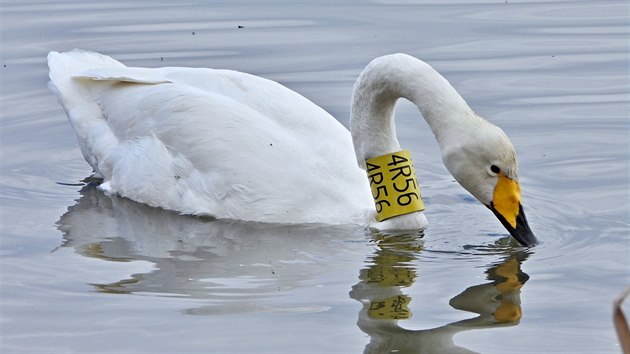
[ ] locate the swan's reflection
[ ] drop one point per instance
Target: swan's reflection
(232, 266)
(391, 270)
(235, 267)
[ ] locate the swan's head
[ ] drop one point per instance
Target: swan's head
(484, 162)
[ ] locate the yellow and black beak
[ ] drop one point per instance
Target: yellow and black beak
(506, 206)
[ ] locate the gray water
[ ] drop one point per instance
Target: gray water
(84, 272)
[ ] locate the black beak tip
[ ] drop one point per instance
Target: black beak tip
(524, 236)
(522, 233)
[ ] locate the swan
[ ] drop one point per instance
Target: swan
(226, 144)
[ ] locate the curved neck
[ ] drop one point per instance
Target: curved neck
(381, 84)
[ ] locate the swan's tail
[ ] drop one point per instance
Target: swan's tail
(75, 96)
(64, 67)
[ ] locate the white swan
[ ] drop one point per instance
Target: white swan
(232, 145)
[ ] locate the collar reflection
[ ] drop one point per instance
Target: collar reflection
(383, 290)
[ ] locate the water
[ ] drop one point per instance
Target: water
(83, 272)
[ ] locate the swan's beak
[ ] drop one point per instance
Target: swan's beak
(506, 206)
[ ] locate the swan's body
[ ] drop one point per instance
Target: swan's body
(232, 145)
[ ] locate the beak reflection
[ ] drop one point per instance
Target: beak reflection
(385, 292)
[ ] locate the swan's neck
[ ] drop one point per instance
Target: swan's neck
(382, 83)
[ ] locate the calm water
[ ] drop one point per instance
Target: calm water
(82, 272)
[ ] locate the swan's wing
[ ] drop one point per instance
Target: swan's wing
(251, 145)
(126, 74)
(216, 142)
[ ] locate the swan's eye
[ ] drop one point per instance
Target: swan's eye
(495, 169)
